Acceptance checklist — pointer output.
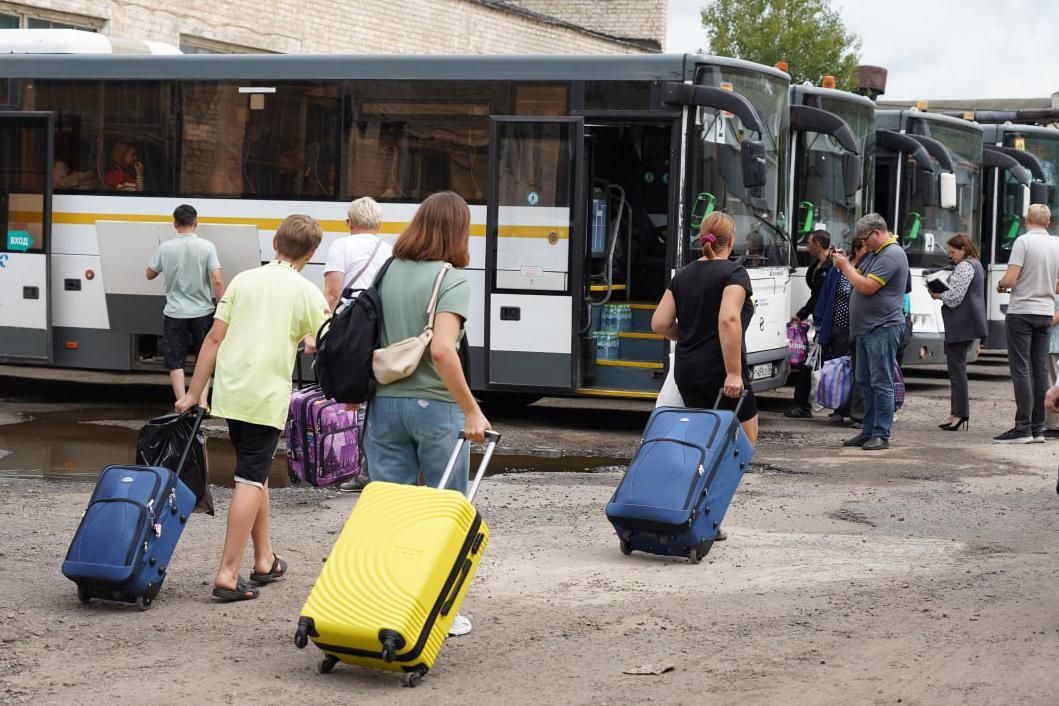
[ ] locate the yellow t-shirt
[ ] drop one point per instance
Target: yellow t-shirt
(268, 311)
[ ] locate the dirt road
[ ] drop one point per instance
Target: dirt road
(923, 575)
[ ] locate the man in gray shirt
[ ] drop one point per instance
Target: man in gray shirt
(877, 323)
(192, 284)
(1031, 278)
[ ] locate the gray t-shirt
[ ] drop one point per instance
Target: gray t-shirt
(1037, 253)
(889, 267)
(186, 261)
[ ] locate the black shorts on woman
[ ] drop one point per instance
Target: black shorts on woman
(699, 362)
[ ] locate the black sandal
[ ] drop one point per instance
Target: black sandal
(279, 568)
(242, 592)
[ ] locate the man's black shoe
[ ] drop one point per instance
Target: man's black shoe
(858, 440)
(876, 443)
(798, 413)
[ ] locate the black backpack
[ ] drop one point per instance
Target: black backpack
(346, 343)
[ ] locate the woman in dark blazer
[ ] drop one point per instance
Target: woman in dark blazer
(963, 310)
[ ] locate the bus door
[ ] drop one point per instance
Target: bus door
(25, 235)
(534, 224)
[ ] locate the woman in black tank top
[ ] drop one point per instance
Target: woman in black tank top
(706, 310)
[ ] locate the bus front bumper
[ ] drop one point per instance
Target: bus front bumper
(769, 369)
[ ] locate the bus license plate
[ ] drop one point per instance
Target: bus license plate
(761, 372)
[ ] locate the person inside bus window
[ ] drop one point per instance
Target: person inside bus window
(126, 173)
(755, 256)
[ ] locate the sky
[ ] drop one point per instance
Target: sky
(934, 48)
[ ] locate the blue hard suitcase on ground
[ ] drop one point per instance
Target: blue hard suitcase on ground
(129, 531)
(678, 487)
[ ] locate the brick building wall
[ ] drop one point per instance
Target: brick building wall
(638, 20)
(361, 26)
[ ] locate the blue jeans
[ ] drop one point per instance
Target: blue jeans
(406, 436)
(876, 358)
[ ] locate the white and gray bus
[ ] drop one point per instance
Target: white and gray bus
(928, 184)
(586, 177)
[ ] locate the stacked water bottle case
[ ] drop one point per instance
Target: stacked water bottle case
(628, 356)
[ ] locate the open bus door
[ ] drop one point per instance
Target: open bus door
(25, 235)
(534, 224)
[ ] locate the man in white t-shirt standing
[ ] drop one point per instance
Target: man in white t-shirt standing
(352, 262)
(1033, 269)
(355, 259)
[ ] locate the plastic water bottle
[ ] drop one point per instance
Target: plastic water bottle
(626, 318)
(615, 346)
(601, 346)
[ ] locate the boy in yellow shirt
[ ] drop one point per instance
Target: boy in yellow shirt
(257, 327)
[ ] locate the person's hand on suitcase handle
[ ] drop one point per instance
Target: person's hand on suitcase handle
(733, 386)
(475, 427)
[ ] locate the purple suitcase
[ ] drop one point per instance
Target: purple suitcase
(323, 439)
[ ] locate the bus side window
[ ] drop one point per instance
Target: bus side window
(278, 141)
(109, 138)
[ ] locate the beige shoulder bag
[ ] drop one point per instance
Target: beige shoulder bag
(399, 360)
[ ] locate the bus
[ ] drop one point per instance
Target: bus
(587, 178)
(832, 170)
(1022, 167)
(928, 172)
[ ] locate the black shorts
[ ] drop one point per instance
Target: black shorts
(179, 336)
(255, 446)
(702, 394)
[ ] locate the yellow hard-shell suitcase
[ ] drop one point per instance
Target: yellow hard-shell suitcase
(396, 577)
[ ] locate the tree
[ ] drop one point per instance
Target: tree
(808, 34)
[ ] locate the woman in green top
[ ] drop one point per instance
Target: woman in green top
(413, 423)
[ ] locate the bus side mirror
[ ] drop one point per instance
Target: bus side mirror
(755, 170)
(947, 190)
(852, 173)
(1039, 192)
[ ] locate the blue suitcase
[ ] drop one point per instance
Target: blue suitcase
(129, 531)
(680, 482)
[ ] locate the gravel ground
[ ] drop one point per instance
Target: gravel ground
(922, 575)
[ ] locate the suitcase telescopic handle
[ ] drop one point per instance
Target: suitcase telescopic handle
(738, 405)
(200, 414)
(491, 440)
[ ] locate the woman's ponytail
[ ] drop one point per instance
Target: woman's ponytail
(716, 234)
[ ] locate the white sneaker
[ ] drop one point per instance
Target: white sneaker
(1039, 439)
(460, 626)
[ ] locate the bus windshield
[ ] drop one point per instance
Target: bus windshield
(925, 229)
(820, 189)
(1010, 224)
(715, 170)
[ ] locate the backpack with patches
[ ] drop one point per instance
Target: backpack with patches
(346, 343)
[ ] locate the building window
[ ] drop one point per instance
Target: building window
(200, 45)
(24, 17)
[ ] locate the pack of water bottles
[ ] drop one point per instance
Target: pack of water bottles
(607, 345)
(615, 317)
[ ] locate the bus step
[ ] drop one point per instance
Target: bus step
(622, 377)
(620, 394)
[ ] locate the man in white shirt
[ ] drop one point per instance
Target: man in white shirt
(355, 259)
(1033, 269)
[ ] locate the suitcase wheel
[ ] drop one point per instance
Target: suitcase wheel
(83, 595)
(412, 679)
(693, 556)
(626, 548)
(143, 602)
(327, 664)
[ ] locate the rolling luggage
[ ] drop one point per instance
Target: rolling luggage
(322, 438)
(397, 575)
(130, 529)
(678, 487)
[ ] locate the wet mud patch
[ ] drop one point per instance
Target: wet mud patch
(767, 468)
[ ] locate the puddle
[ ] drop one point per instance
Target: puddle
(66, 447)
